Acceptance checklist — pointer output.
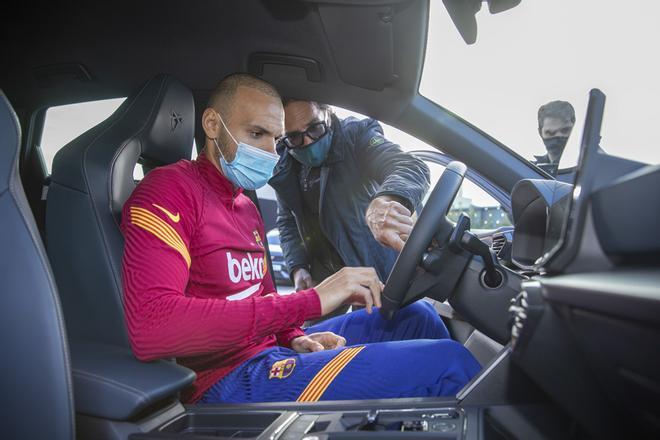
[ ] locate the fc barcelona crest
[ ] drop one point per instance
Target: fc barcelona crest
(282, 369)
(257, 238)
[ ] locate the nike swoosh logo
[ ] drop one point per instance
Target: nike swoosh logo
(244, 293)
(174, 218)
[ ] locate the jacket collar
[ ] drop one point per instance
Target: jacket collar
(216, 181)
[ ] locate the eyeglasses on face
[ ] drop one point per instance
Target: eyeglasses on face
(315, 132)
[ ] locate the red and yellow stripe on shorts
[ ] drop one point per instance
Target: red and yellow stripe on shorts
(322, 380)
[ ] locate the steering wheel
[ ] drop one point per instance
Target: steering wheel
(432, 223)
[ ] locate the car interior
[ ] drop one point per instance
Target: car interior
(561, 309)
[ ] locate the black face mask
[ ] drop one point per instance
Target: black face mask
(555, 146)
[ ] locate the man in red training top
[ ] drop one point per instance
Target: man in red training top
(197, 287)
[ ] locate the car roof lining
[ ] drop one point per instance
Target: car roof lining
(120, 45)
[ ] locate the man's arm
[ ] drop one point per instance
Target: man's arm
(162, 321)
(403, 178)
(400, 174)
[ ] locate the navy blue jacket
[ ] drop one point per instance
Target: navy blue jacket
(360, 166)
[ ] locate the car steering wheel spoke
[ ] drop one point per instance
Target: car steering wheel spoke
(408, 281)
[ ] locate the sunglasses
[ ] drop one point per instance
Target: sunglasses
(315, 132)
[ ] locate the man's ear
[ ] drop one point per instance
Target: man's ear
(211, 123)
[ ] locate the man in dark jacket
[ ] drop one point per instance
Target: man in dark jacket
(345, 194)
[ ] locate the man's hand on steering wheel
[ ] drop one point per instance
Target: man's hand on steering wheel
(432, 224)
(389, 221)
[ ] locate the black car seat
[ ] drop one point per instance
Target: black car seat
(35, 383)
(91, 179)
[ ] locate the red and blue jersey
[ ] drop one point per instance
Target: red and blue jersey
(195, 277)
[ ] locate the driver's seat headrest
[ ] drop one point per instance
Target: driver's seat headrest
(168, 119)
(154, 127)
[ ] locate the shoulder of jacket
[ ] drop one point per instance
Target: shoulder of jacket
(353, 124)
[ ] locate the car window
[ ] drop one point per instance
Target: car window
(546, 51)
(64, 123)
(273, 237)
(484, 211)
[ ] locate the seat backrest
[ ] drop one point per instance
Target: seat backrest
(35, 382)
(92, 177)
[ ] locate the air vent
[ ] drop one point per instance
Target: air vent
(498, 244)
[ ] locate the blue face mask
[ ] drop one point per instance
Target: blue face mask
(555, 147)
(251, 168)
(315, 153)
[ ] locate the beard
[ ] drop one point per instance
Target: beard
(225, 144)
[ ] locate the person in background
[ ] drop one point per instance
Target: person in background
(556, 120)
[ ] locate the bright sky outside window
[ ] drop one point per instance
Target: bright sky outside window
(553, 50)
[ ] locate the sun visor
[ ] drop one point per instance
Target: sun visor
(362, 43)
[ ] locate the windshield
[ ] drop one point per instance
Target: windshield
(541, 52)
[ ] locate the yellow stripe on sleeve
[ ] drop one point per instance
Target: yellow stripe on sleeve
(172, 237)
(165, 230)
(154, 230)
(150, 222)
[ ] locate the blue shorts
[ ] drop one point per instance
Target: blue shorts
(409, 356)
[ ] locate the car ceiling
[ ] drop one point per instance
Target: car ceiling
(362, 54)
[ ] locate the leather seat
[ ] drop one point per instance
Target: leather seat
(92, 178)
(35, 383)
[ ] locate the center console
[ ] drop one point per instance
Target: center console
(488, 422)
(442, 423)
